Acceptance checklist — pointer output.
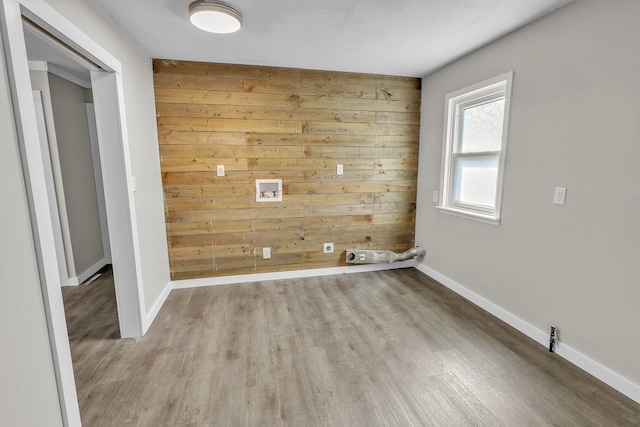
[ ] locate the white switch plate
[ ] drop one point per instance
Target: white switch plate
(266, 253)
(327, 248)
(134, 184)
(340, 169)
(559, 195)
(436, 197)
(220, 170)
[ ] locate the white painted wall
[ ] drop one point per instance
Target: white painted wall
(28, 394)
(574, 123)
(74, 152)
(28, 376)
(137, 77)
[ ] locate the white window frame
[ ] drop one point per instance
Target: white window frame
(493, 89)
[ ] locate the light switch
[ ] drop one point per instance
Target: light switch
(436, 197)
(559, 196)
(266, 253)
(340, 169)
(220, 170)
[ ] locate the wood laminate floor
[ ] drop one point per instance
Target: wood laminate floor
(391, 348)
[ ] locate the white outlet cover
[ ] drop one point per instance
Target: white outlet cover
(266, 253)
(220, 170)
(559, 196)
(435, 197)
(340, 169)
(327, 248)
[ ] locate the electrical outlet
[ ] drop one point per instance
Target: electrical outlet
(220, 170)
(327, 248)
(266, 253)
(559, 196)
(340, 169)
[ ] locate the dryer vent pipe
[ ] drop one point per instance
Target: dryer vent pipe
(357, 256)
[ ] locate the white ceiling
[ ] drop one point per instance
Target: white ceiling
(403, 37)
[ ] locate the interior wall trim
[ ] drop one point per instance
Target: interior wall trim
(63, 74)
(86, 274)
(581, 360)
(281, 275)
(155, 308)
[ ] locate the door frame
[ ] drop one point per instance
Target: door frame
(115, 161)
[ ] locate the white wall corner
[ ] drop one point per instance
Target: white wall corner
(64, 74)
(86, 274)
(604, 374)
(155, 309)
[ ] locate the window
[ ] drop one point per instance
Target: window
(474, 149)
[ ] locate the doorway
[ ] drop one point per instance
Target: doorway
(66, 120)
(106, 82)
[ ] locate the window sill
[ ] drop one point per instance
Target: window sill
(487, 219)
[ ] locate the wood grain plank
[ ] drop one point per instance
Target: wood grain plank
(253, 112)
(332, 199)
(228, 125)
(394, 218)
(164, 66)
(332, 140)
(208, 227)
(358, 78)
(184, 151)
(359, 128)
(324, 152)
(174, 137)
(307, 101)
(398, 118)
(399, 93)
(201, 165)
(320, 89)
(339, 210)
(208, 190)
(201, 82)
(208, 203)
(265, 212)
(397, 164)
(358, 231)
(208, 97)
(394, 196)
(211, 252)
(308, 164)
(231, 177)
(276, 224)
(344, 222)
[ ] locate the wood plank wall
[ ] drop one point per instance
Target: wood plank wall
(293, 124)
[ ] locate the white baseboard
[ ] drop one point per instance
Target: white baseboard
(155, 309)
(604, 374)
(280, 275)
(82, 277)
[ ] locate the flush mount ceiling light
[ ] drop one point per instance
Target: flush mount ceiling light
(215, 16)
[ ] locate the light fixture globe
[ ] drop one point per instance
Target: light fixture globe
(215, 16)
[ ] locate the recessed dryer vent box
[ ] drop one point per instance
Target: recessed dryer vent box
(268, 190)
